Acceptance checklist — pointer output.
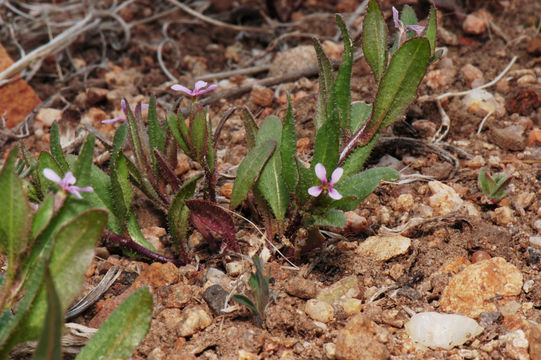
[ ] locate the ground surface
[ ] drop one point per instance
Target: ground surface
(447, 235)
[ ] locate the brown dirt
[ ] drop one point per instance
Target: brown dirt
(289, 333)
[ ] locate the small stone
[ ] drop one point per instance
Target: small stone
(330, 350)
(511, 308)
(262, 96)
(294, 59)
(319, 310)
(487, 318)
(332, 49)
(350, 305)
(170, 318)
(515, 345)
(95, 95)
(469, 291)
(479, 256)
(303, 145)
(94, 116)
(47, 116)
(246, 355)
(158, 274)
(348, 286)
(480, 102)
(528, 285)
(442, 330)
(156, 354)
(235, 268)
(355, 223)
(524, 200)
(534, 46)
(215, 296)
(503, 215)
(192, 320)
(470, 73)
(179, 296)
(215, 276)
(153, 234)
(444, 198)
(425, 128)
(526, 79)
(439, 78)
(301, 288)
(475, 163)
(447, 37)
(226, 190)
(404, 202)
(119, 77)
(362, 339)
(383, 248)
(523, 101)
(477, 22)
(534, 137)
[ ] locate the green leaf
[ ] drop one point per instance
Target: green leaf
(46, 160)
(374, 42)
(249, 170)
(271, 182)
(83, 165)
(356, 188)
(121, 190)
(119, 139)
(360, 112)
(101, 197)
(288, 149)
(173, 122)
(408, 16)
(16, 219)
(356, 159)
(341, 92)
(250, 127)
(326, 147)
(43, 216)
(49, 347)
(398, 87)
(306, 179)
(134, 230)
(326, 82)
(72, 254)
(244, 300)
(156, 136)
(56, 148)
(138, 138)
(431, 30)
(199, 135)
(120, 334)
(333, 218)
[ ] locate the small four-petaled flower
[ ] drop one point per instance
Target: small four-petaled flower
(197, 91)
(328, 186)
(124, 109)
(403, 29)
(67, 183)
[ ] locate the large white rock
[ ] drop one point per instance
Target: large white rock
(446, 331)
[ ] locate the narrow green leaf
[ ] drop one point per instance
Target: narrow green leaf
(156, 136)
(326, 147)
(49, 347)
(72, 254)
(46, 160)
(249, 171)
(341, 92)
(173, 123)
(306, 179)
(137, 137)
(288, 149)
(134, 230)
(270, 182)
(42, 216)
(431, 30)
(244, 300)
(333, 218)
(357, 187)
(121, 190)
(326, 82)
(360, 112)
(83, 165)
(199, 135)
(16, 219)
(102, 197)
(374, 42)
(398, 87)
(250, 127)
(56, 148)
(356, 159)
(119, 139)
(120, 334)
(178, 213)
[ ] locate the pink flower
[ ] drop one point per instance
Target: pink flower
(197, 90)
(122, 118)
(66, 184)
(403, 29)
(328, 186)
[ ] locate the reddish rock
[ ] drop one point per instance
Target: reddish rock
(523, 101)
(362, 339)
(17, 98)
(262, 96)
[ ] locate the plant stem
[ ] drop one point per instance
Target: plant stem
(132, 245)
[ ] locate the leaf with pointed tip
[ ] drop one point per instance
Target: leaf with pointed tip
(407, 16)
(46, 160)
(306, 179)
(166, 172)
(356, 159)
(341, 91)
(374, 42)
(249, 170)
(119, 139)
(250, 127)
(271, 182)
(56, 148)
(83, 164)
(398, 87)
(134, 230)
(156, 136)
(102, 197)
(357, 187)
(199, 135)
(121, 190)
(120, 334)
(213, 217)
(42, 216)
(16, 219)
(288, 149)
(137, 137)
(431, 30)
(360, 112)
(49, 347)
(244, 300)
(326, 82)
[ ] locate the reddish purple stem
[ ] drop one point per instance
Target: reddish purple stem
(132, 245)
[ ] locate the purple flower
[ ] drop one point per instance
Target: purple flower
(321, 174)
(197, 90)
(403, 29)
(122, 118)
(66, 184)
